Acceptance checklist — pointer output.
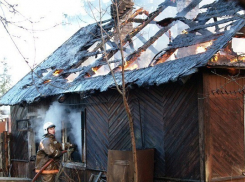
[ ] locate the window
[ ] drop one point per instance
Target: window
(22, 125)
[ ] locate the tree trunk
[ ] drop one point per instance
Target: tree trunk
(131, 126)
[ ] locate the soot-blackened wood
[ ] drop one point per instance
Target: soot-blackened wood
(119, 134)
(130, 35)
(97, 133)
(150, 101)
(165, 118)
(107, 128)
(19, 144)
(181, 133)
(163, 109)
(147, 44)
(185, 40)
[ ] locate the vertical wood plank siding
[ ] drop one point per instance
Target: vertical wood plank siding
(19, 149)
(225, 128)
(165, 118)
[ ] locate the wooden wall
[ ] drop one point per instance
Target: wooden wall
(22, 165)
(19, 145)
(224, 126)
(165, 118)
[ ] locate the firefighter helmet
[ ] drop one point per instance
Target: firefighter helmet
(46, 126)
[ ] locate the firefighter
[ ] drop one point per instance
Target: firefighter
(49, 148)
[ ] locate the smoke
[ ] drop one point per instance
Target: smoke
(57, 114)
(75, 129)
(54, 114)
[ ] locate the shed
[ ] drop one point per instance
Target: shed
(188, 107)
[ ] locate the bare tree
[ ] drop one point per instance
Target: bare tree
(122, 88)
(20, 30)
(5, 78)
(125, 101)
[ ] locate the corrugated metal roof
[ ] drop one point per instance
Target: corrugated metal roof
(74, 52)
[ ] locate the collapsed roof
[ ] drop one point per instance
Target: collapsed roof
(80, 65)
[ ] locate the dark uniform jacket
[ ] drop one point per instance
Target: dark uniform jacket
(49, 148)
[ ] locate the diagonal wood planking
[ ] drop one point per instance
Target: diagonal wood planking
(118, 125)
(224, 126)
(97, 133)
(152, 125)
(181, 132)
(165, 118)
(227, 135)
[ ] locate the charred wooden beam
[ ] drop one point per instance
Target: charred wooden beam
(115, 61)
(72, 71)
(144, 41)
(165, 22)
(129, 37)
(222, 40)
(147, 44)
(112, 44)
(198, 26)
(88, 69)
(150, 18)
(131, 45)
(216, 25)
(107, 37)
(140, 27)
(138, 20)
(217, 43)
(89, 54)
(218, 9)
(185, 40)
(132, 17)
(163, 57)
(168, 3)
(191, 23)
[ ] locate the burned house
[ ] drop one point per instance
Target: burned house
(188, 107)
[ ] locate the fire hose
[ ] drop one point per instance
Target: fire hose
(45, 166)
